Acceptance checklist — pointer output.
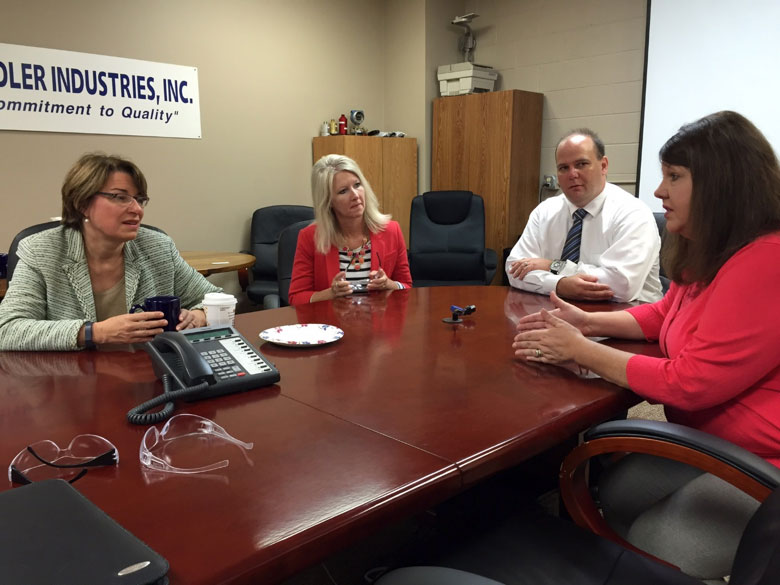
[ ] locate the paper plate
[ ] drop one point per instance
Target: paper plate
(302, 334)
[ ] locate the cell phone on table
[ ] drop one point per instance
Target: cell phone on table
(360, 287)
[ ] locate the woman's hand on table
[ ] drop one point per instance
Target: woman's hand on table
(378, 280)
(340, 287)
(552, 341)
(563, 310)
(129, 328)
(191, 319)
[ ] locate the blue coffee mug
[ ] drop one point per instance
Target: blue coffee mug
(170, 307)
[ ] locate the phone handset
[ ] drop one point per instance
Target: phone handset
(183, 372)
(183, 363)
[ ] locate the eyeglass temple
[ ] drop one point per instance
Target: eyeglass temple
(107, 458)
(209, 427)
(18, 477)
(166, 467)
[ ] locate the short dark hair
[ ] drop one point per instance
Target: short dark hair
(735, 196)
(597, 141)
(86, 177)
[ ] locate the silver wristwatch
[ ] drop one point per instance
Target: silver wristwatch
(557, 265)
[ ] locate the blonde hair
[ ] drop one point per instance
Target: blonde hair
(327, 232)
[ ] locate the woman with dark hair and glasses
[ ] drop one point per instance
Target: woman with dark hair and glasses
(74, 284)
(717, 326)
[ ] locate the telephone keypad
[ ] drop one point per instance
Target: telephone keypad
(222, 364)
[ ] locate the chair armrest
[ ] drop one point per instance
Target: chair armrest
(272, 301)
(491, 263)
(725, 452)
(711, 454)
(491, 259)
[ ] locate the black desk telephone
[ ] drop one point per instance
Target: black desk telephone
(202, 363)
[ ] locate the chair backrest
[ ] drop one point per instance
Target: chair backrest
(288, 243)
(267, 225)
(13, 258)
(447, 238)
(660, 222)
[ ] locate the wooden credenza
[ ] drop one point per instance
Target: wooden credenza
(389, 164)
(490, 144)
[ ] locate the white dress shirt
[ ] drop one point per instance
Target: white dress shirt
(620, 245)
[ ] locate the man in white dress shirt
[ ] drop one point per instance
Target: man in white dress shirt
(609, 251)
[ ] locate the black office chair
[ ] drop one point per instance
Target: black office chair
(447, 240)
(288, 243)
(13, 259)
(660, 221)
(552, 551)
(267, 225)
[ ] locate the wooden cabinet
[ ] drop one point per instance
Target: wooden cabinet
(490, 144)
(389, 164)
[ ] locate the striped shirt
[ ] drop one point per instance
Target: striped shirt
(356, 263)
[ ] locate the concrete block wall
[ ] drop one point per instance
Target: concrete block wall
(587, 58)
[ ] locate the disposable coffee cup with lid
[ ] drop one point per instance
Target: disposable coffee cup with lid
(220, 309)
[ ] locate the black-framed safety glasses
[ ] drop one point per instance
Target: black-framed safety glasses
(46, 460)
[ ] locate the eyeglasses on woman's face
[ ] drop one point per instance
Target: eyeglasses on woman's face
(125, 199)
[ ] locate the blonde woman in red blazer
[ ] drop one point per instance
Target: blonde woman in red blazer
(351, 245)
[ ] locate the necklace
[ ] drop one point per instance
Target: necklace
(356, 257)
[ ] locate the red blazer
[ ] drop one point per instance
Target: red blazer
(313, 271)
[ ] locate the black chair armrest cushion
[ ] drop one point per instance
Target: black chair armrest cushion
(491, 259)
(725, 451)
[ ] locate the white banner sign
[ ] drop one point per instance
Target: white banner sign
(48, 90)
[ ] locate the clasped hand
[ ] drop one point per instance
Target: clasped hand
(551, 337)
(377, 280)
(580, 286)
(520, 268)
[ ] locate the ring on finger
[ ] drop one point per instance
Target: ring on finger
(538, 352)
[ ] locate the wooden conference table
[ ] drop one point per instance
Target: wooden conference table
(401, 413)
(208, 263)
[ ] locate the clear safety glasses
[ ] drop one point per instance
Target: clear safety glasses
(183, 436)
(47, 460)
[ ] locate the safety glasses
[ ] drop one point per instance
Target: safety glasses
(47, 460)
(156, 455)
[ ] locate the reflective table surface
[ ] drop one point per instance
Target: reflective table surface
(401, 413)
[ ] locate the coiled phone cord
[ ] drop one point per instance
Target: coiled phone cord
(138, 414)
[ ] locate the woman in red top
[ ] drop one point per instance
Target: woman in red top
(351, 245)
(718, 324)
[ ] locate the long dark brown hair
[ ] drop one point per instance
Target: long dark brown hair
(735, 197)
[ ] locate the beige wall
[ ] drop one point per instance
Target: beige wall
(441, 48)
(270, 71)
(404, 69)
(587, 58)
(418, 38)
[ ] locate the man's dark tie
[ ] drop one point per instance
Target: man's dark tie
(571, 249)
